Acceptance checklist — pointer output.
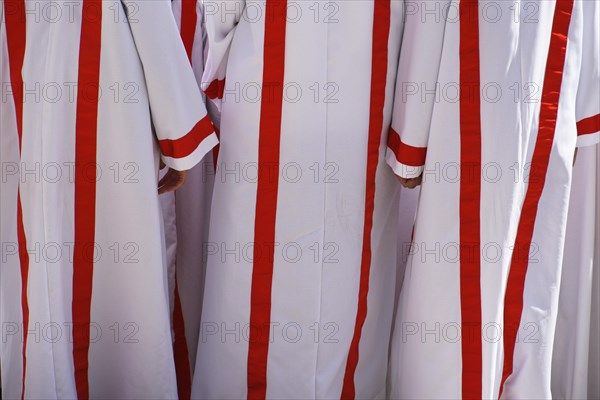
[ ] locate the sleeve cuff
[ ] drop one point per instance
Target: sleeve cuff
(406, 161)
(588, 139)
(187, 151)
(400, 169)
(588, 131)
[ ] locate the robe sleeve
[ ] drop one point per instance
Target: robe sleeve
(416, 84)
(588, 96)
(220, 21)
(185, 132)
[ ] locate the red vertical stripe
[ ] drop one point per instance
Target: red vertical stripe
(470, 192)
(266, 196)
(14, 15)
(379, 61)
(180, 349)
(215, 152)
(539, 167)
(24, 260)
(189, 19)
(85, 187)
(216, 89)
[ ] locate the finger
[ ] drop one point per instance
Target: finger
(411, 184)
(406, 183)
(167, 182)
(169, 178)
(165, 178)
(171, 186)
(166, 186)
(162, 164)
(414, 182)
(177, 180)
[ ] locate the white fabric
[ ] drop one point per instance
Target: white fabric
(575, 361)
(187, 212)
(147, 85)
(427, 355)
(320, 203)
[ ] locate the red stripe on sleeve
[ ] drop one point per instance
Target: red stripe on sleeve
(406, 154)
(513, 306)
(588, 125)
(379, 61)
(185, 145)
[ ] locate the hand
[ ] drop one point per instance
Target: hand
(410, 183)
(172, 181)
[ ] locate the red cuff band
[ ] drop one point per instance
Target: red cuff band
(588, 125)
(406, 154)
(185, 145)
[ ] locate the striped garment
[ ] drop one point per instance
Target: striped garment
(84, 285)
(301, 271)
(493, 98)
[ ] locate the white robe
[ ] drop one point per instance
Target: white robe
(487, 108)
(186, 216)
(84, 280)
(300, 279)
(576, 356)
